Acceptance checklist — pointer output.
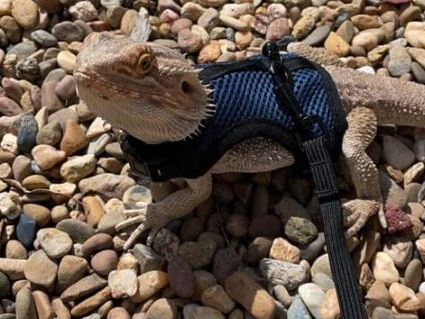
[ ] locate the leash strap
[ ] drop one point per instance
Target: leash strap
(317, 154)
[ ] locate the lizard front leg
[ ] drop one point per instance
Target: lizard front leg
(362, 127)
(174, 206)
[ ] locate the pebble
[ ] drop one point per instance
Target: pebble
(9, 107)
(298, 310)
(55, 243)
(287, 274)
(217, 298)
(83, 287)
(180, 276)
(162, 308)
(281, 249)
(37, 212)
(194, 311)
(384, 269)
(25, 305)
(47, 156)
(123, 283)
(147, 258)
(313, 297)
(71, 269)
(43, 305)
(104, 261)
(403, 297)
(78, 167)
(49, 134)
(91, 302)
(74, 138)
(106, 185)
(26, 230)
(44, 38)
(300, 230)
(399, 61)
(330, 307)
(41, 270)
(243, 289)
(119, 313)
(150, 283)
(83, 10)
(15, 250)
(67, 31)
(25, 12)
(77, 230)
(225, 263)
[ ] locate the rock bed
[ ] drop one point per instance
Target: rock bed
(256, 247)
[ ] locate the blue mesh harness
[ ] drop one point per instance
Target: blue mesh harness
(284, 98)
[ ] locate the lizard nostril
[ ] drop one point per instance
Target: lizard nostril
(186, 87)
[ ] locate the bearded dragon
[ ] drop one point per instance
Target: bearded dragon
(154, 93)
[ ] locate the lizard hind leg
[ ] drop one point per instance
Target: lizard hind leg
(362, 127)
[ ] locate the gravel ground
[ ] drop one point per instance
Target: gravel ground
(253, 250)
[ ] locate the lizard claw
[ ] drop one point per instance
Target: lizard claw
(357, 212)
(141, 209)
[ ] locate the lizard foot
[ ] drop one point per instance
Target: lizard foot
(143, 218)
(358, 211)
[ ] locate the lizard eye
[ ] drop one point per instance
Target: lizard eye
(145, 63)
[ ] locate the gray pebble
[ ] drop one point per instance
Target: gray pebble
(418, 72)
(44, 38)
(27, 133)
(298, 310)
(26, 230)
(77, 230)
(67, 31)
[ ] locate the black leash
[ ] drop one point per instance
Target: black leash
(317, 154)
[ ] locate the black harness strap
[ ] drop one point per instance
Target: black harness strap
(317, 154)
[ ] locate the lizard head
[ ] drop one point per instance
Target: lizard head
(150, 91)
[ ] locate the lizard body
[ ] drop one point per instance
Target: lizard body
(153, 93)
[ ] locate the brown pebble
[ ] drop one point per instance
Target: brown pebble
(104, 261)
(181, 277)
(95, 243)
(118, 313)
(43, 305)
(91, 302)
(74, 138)
(242, 288)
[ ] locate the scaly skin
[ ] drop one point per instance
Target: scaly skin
(154, 94)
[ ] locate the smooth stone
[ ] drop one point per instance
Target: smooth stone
(287, 274)
(118, 313)
(399, 61)
(37, 212)
(49, 99)
(15, 250)
(318, 35)
(396, 154)
(41, 270)
(384, 269)
(404, 298)
(181, 277)
(106, 185)
(78, 167)
(298, 310)
(217, 298)
(150, 283)
(330, 306)
(91, 303)
(104, 261)
(71, 269)
(337, 45)
(83, 10)
(313, 297)
(198, 254)
(96, 243)
(76, 229)
(8, 107)
(26, 230)
(400, 250)
(25, 305)
(241, 287)
(21, 167)
(288, 207)
(67, 61)
(83, 288)
(123, 283)
(412, 274)
(47, 156)
(162, 308)
(67, 31)
(277, 29)
(323, 281)
(50, 134)
(44, 38)
(195, 311)
(225, 262)
(74, 138)
(43, 304)
(25, 13)
(54, 242)
(4, 285)
(300, 230)
(283, 250)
